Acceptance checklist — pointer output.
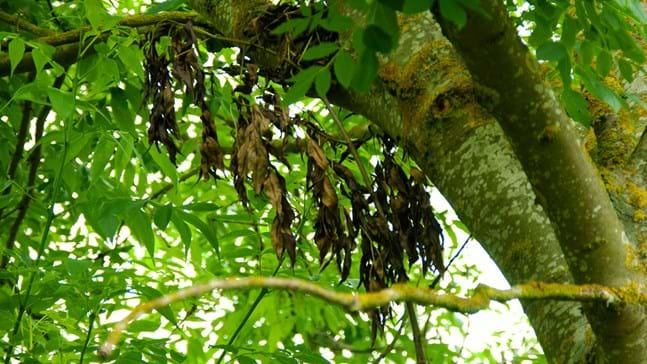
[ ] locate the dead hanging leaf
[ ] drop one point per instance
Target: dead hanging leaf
(252, 156)
(317, 154)
(282, 237)
(210, 152)
(274, 191)
(183, 56)
(328, 196)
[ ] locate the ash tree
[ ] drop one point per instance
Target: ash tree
(256, 177)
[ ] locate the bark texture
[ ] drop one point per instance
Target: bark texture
(561, 173)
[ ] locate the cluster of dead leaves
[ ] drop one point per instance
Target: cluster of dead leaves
(185, 69)
(251, 156)
(392, 215)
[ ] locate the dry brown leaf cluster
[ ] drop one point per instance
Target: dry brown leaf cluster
(392, 216)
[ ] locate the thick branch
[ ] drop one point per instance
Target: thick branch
(479, 300)
(564, 179)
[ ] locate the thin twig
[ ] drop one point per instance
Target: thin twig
(323, 339)
(34, 162)
(21, 138)
(249, 313)
(52, 13)
(93, 316)
(162, 191)
(389, 348)
(421, 357)
(436, 280)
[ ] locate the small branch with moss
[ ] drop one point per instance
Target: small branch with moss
(22, 24)
(67, 43)
(478, 301)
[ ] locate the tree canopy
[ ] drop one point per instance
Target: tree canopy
(255, 176)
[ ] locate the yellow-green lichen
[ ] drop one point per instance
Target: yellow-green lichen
(636, 258)
(637, 195)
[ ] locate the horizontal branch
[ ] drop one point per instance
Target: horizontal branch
(479, 300)
(67, 44)
(131, 21)
(22, 24)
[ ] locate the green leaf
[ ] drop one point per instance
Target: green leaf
(322, 82)
(626, 70)
(167, 5)
(207, 230)
(97, 14)
(104, 223)
(140, 225)
(364, 76)
(163, 162)
(103, 151)
(243, 359)
(377, 39)
(551, 51)
(587, 50)
(416, 6)
(131, 56)
(142, 325)
(337, 22)
(599, 89)
(636, 8)
(604, 62)
(321, 50)
(151, 293)
(42, 54)
(576, 106)
(295, 23)
(183, 229)
(564, 67)
(162, 216)
(570, 29)
(16, 51)
(395, 5)
(121, 114)
(344, 68)
(302, 82)
(452, 11)
(62, 102)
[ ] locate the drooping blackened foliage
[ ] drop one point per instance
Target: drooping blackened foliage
(251, 154)
(394, 218)
(390, 216)
(158, 86)
(186, 69)
(331, 234)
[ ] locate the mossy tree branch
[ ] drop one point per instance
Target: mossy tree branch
(479, 300)
(22, 24)
(67, 43)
